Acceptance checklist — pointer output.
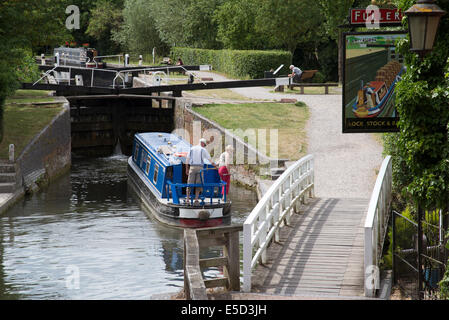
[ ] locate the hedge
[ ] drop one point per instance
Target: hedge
(237, 63)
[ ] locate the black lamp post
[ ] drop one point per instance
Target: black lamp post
(423, 20)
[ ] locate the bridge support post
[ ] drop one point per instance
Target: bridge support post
(232, 252)
(228, 237)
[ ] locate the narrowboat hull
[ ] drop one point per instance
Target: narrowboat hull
(173, 214)
(374, 112)
(361, 109)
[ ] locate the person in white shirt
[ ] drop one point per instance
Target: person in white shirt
(196, 158)
(296, 73)
(224, 169)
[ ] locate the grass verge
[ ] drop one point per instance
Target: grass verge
(22, 123)
(30, 96)
(224, 94)
(288, 119)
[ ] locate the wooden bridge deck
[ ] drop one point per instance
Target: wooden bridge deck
(319, 254)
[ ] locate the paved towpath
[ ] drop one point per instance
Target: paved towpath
(321, 254)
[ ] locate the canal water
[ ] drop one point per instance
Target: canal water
(86, 237)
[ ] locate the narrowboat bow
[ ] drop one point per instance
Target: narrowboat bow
(156, 171)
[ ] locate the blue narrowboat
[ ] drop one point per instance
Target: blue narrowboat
(157, 173)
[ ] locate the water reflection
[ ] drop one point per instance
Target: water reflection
(85, 237)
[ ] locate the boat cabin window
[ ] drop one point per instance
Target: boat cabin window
(136, 153)
(382, 92)
(156, 170)
(169, 174)
(143, 160)
(147, 169)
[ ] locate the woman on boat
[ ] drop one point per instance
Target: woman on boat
(224, 167)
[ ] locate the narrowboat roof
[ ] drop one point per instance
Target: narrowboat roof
(169, 148)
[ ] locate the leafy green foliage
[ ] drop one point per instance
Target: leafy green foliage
(236, 25)
(238, 63)
(138, 33)
(404, 238)
(105, 18)
(421, 149)
(186, 22)
(288, 23)
(19, 36)
(335, 12)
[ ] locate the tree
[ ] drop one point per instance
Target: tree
(236, 25)
(105, 19)
(200, 25)
(289, 23)
(186, 22)
(335, 13)
(138, 32)
(18, 38)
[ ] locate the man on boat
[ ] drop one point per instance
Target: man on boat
(194, 164)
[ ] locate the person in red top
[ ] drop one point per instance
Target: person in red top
(224, 169)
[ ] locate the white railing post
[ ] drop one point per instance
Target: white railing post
(263, 235)
(247, 256)
(126, 60)
(275, 208)
(369, 279)
(278, 214)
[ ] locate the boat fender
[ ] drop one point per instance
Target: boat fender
(203, 215)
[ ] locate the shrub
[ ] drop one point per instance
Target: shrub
(237, 63)
(318, 78)
(300, 104)
(405, 232)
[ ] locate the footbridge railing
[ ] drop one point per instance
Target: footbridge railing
(376, 226)
(272, 212)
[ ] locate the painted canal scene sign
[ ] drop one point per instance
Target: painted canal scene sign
(371, 71)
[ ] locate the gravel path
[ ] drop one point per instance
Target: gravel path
(345, 164)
